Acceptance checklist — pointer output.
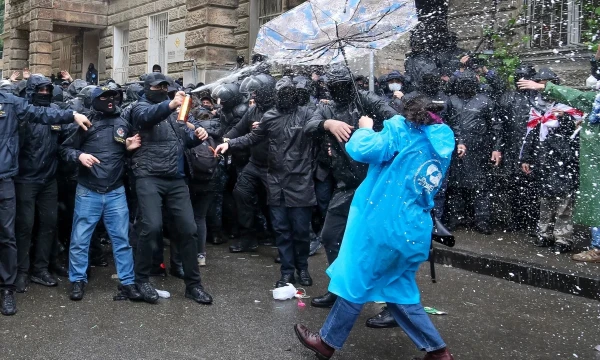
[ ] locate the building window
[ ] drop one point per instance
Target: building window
(558, 23)
(157, 41)
(121, 54)
(268, 10)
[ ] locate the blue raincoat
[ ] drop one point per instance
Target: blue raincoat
(389, 225)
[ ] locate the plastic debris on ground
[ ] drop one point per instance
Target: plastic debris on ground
(434, 311)
(163, 294)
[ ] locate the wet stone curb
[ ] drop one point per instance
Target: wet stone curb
(520, 272)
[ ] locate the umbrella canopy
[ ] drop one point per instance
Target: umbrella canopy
(320, 32)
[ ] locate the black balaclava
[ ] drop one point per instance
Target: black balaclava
(340, 85)
(431, 84)
(285, 95)
(41, 99)
(466, 84)
(303, 97)
(156, 96)
(107, 106)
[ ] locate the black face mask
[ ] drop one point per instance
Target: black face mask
(105, 106)
(156, 96)
(285, 99)
(341, 92)
(303, 97)
(466, 88)
(41, 99)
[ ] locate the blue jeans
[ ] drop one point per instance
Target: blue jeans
(90, 206)
(596, 237)
(411, 318)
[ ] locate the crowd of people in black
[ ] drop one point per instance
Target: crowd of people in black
(259, 160)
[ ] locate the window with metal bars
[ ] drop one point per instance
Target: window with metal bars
(268, 10)
(121, 56)
(157, 41)
(557, 23)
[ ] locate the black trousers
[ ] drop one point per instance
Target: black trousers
(461, 201)
(291, 226)
(251, 182)
(8, 243)
(152, 193)
(335, 222)
(35, 201)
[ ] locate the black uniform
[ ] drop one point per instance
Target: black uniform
(475, 124)
(15, 111)
(289, 178)
(36, 188)
(347, 173)
(159, 170)
(523, 210)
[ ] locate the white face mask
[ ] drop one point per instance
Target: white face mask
(395, 87)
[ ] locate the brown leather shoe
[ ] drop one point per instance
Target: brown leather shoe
(314, 342)
(442, 354)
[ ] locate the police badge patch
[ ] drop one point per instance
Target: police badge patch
(120, 135)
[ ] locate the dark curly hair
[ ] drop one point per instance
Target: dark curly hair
(417, 110)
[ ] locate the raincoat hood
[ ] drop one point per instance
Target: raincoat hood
(34, 83)
(76, 87)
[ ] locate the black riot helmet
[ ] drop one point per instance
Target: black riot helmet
(76, 87)
(340, 84)
(229, 95)
(285, 95)
(261, 88)
(466, 84)
(525, 71)
(545, 74)
(86, 95)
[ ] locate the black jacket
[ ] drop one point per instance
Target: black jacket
(15, 110)
(553, 162)
(105, 140)
(347, 173)
(476, 126)
(230, 118)
(163, 140)
(290, 171)
(417, 65)
(513, 110)
(259, 152)
(213, 128)
(38, 155)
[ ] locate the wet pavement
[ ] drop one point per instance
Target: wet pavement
(488, 318)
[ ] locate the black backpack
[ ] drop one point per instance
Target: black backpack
(202, 160)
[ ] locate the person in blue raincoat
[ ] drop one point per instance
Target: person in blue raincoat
(389, 228)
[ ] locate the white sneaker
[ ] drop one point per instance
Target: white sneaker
(201, 260)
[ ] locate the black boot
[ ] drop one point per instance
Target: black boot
(325, 301)
(245, 245)
(99, 261)
(77, 290)
(383, 320)
(304, 278)
(285, 279)
(148, 292)
(44, 278)
(483, 227)
(22, 282)
(315, 245)
(8, 305)
(131, 292)
(198, 294)
(543, 241)
(216, 239)
(158, 270)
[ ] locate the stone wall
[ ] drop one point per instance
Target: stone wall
(135, 15)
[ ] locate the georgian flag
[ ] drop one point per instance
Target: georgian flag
(549, 119)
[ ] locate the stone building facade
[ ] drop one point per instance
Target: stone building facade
(200, 39)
